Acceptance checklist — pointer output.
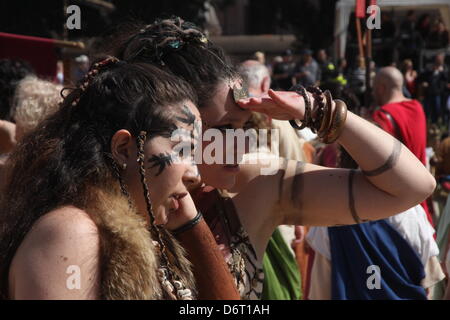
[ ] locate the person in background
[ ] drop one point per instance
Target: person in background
(435, 81)
(342, 254)
(357, 78)
(327, 69)
(59, 79)
(307, 70)
(409, 38)
(11, 72)
(283, 71)
(33, 101)
(341, 69)
(81, 68)
(408, 26)
(438, 37)
(423, 27)
(401, 117)
(442, 165)
(260, 57)
(275, 60)
(386, 37)
(345, 258)
(410, 76)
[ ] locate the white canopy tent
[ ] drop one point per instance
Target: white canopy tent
(345, 7)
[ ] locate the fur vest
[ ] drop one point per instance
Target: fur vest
(129, 259)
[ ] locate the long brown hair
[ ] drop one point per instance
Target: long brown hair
(67, 159)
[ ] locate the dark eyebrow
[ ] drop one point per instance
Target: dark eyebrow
(162, 160)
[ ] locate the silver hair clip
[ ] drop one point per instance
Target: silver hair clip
(240, 90)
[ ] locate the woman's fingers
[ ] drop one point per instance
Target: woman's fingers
(274, 99)
(289, 101)
(257, 104)
(252, 102)
(278, 105)
(278, 98)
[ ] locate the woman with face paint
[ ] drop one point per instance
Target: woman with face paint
(240, 204)
(96, 197)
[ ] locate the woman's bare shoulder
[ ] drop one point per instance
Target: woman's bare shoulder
(66, 228)
(66, 219)
(62, 240)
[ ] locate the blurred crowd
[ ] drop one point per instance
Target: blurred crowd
(411, 104)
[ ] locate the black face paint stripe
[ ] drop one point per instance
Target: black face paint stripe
(162, 160)
(189, 118)
(390, 162)
(351, 198)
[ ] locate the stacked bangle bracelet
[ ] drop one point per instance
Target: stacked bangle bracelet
(337, 122)
(322, 118)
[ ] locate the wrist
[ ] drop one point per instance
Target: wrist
(185, 213)
(188, 225)
(305, 115)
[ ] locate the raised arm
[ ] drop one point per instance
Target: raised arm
(394, 179)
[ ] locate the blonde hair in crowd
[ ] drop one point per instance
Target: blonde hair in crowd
(35, 100)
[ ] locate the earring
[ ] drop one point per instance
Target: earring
(124, 166)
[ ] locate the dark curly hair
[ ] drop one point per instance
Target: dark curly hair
(181, 48)
(68, 155)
